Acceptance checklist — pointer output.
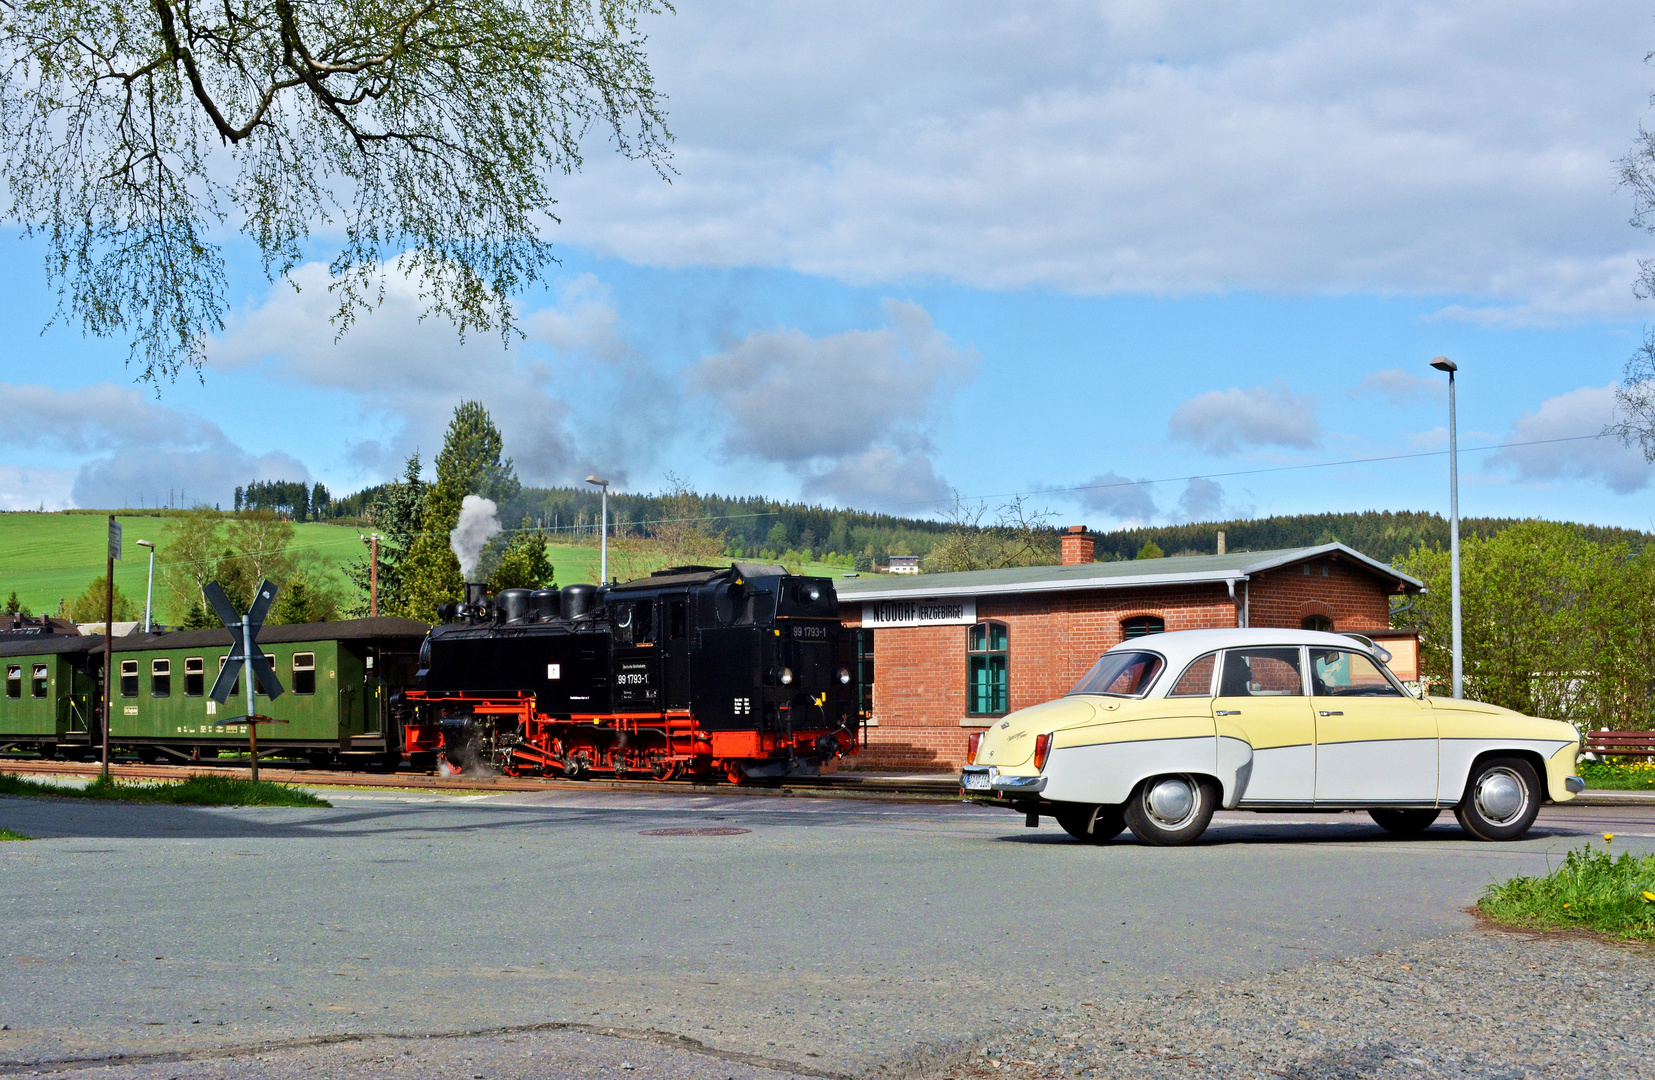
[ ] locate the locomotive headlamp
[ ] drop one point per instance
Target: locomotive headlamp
(787, 676)
(844, 675)
(813, 593)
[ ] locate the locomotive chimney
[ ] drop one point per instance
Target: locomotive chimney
(476, 595)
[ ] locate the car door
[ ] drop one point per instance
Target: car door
(1261, 694)
(1375, 744)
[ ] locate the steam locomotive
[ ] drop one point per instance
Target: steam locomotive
(692, 671)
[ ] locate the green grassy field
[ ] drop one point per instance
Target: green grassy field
(52, 557)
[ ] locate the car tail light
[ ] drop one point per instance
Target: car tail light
(972, 742)
(1042, 748)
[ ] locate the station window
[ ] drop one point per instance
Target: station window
(1317, 622)
(304, 672)
(195, 676)
(129, 678)
(14, 680)
(235, 687)
(41, 680)
(986, 669)
(160, 678)
(1143, 626)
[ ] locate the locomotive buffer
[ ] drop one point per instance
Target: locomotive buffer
(244, 630)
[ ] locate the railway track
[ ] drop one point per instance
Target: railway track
(842, 785)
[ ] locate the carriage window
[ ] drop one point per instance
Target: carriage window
(40, 681)
(1143, 626)
(987, 683)
(1336, 673)
(304, 672)
(129, 678)
(160, 678)
(195, 673)
(1197, 679)
(1317, 622)
(257, 689)
(1261, 673)
(14, 680)
(235, 687)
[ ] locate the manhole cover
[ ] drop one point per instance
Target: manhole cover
(694, 830)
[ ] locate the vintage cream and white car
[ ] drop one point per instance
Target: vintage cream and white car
(1168, 728)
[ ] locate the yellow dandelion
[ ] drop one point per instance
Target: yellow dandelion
(1608, 836)
(1565, 905)
(1649, 897)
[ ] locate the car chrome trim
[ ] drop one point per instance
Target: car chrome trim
(1023, 785)
(1574, 784)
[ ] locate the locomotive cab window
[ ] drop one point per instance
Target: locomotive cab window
(129, 678)
(160, 678)
(40, 681)
(304, 672)
(195, 672)
(987, 692)
(14, 680)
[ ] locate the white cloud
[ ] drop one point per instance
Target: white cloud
(841, 411)
(1202, 499)
(1587, 411)
(881, 478)
(1401, 388)
(140, 450)
(28, 488)
(1226, 421)
(1124, 501)
(413, 372)
(1169, 147)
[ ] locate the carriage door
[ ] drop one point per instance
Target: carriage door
(675, 654)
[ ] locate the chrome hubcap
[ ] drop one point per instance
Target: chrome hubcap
(1502, 797)
(1171, 801)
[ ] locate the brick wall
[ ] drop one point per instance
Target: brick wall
(1053, 638)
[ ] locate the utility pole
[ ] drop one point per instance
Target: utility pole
(1442, 363)
(603, 563)
(149, 591)
(372, 540)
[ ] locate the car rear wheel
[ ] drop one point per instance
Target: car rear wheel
(1501, 799)
(1091, 824)
(1404, 822)
(1171, 810)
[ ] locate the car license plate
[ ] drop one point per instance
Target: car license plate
(974, 781)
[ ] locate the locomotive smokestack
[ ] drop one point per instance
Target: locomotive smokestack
(476, 595)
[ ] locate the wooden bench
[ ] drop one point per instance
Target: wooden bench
(1633, 743)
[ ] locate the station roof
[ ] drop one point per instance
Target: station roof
(1235, 566)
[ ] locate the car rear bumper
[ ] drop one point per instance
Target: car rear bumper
(986, 780)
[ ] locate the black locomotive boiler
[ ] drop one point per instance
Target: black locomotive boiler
(691, 671)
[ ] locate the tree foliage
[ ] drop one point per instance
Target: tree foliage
(88, 607)
(1019, 536)
(1552, 624)
(397, 514)
(522, 563)
(423, 130)
(470, 463)
(238, 551)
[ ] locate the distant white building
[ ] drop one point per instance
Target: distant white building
(903, 564)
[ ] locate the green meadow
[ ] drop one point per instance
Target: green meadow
(50, 557)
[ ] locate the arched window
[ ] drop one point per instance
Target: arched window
(1317, 622)
(1142, 626)
(986, 683)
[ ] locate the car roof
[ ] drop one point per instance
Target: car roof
(1181, 646)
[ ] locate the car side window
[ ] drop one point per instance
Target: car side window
(1267, 672)
(1339, 673)
(1197, 679)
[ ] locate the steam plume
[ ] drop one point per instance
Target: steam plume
(477, 524)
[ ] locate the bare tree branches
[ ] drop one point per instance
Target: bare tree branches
(136, 130)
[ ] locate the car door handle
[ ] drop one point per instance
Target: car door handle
(1228, 712)
(1330, 714)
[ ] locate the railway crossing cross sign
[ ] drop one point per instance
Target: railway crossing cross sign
(244, 630)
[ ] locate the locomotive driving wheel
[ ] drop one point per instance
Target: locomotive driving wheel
(734, 773)
(663, 770)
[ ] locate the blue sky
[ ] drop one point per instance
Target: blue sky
(923, 248)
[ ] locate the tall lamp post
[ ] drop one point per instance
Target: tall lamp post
(1442, 363)
(149, 591)
(603, 530)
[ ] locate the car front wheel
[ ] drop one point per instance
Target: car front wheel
(1404, 822)
(1501, 799)
(1091, 824)
(1167, 811)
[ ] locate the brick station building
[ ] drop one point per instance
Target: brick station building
(953, 652)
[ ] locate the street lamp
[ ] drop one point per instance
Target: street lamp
(149, 593)
(1442, 363)
(603, 530)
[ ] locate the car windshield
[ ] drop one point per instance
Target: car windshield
(1122, 674)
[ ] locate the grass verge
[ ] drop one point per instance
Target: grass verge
(1592, 890)
(1618, 775)
(195, 791)
(7, 834)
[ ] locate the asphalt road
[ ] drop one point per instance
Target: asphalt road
(830, 937)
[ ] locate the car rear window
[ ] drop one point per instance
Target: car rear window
(1121, 674)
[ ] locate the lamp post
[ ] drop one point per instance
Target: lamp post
(1442, 363)
(603, 531)
(149, 591)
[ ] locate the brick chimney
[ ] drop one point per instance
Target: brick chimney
(1077, 545)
